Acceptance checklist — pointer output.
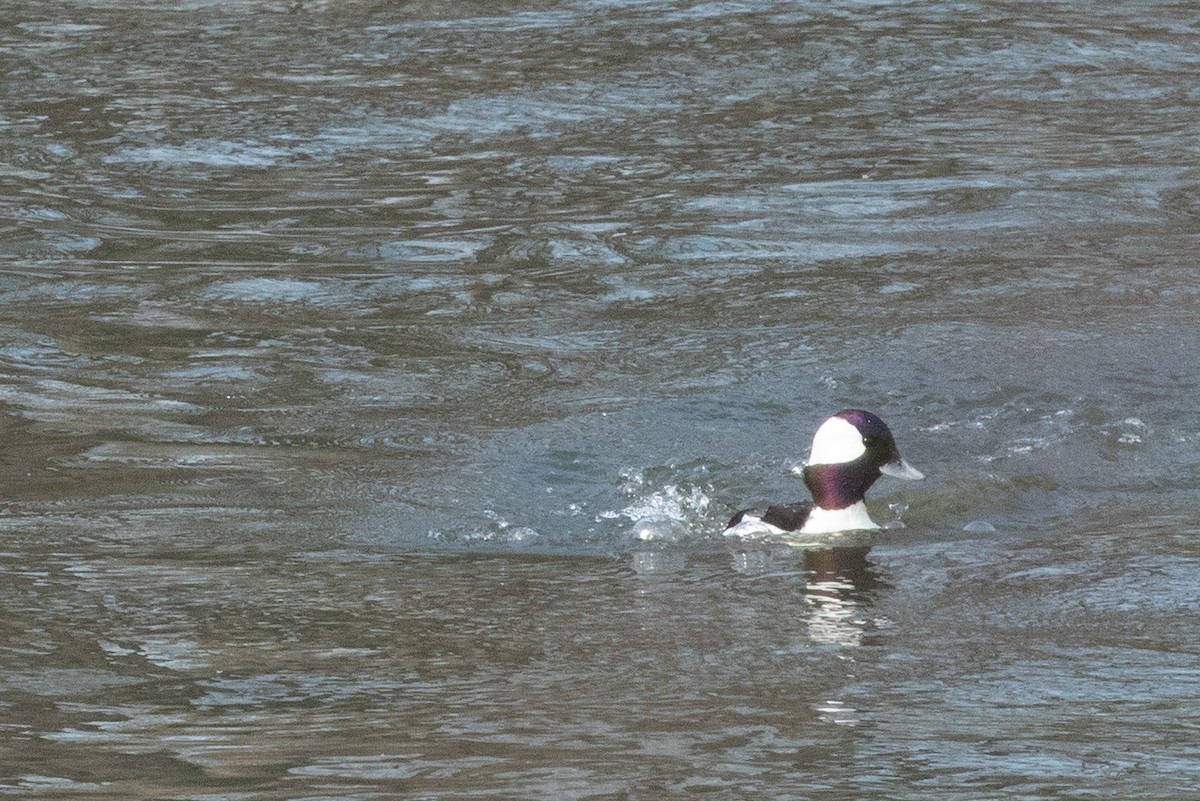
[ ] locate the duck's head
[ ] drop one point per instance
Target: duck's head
(850, 451)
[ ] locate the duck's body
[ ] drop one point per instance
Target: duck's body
(803, 517)
(850, 451)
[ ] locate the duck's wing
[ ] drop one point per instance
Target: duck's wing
(788, 517)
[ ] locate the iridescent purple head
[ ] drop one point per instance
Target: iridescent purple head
(849, 452)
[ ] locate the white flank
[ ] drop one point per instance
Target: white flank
(828, 521)
(751, 527)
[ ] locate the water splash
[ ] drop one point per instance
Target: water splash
(672, 512)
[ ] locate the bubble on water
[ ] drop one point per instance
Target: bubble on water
(897, 509)
(659, 529)
(979, 527)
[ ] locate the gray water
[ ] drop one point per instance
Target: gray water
(376, 379)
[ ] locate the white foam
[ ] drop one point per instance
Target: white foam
(663, 515)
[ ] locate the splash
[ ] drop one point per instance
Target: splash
(668, 513)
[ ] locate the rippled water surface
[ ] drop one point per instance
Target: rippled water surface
(376, 379)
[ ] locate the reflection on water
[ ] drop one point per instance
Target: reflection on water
(466, 673)
(838, 594)
(375, 379)
(838, 584)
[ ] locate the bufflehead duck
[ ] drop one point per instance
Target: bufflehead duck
(849, 452)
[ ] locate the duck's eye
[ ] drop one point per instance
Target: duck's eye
(870, 441)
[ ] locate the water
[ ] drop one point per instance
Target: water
(377, 377)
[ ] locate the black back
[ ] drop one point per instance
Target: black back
(789, 518)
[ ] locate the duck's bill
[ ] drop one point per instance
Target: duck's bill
(902, 469)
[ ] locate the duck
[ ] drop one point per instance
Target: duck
(850, 451)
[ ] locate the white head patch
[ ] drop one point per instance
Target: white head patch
(835, 442)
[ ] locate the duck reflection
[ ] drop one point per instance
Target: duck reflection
(839, 587)
(839, 593)
(846, 566)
